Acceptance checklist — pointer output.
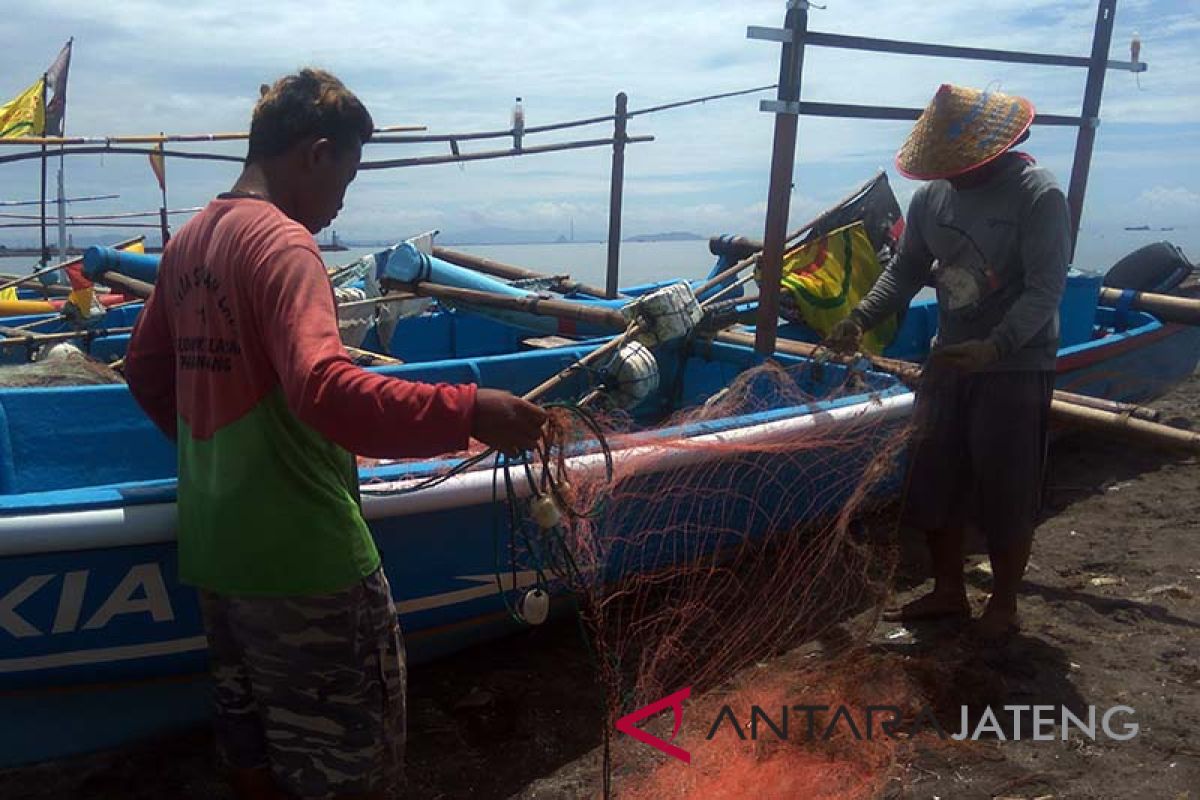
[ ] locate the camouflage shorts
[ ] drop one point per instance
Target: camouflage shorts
(311, 687)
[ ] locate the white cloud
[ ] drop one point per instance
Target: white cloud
(1174, 200)
(142, 65)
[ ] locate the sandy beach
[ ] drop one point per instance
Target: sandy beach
(1111, 611)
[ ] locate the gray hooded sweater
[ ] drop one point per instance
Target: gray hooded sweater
(998, 255)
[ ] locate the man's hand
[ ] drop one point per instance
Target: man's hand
(506, 422)
(967, 356)
(845, 337)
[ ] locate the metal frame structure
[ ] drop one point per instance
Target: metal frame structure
(788, 107)
(137, 145)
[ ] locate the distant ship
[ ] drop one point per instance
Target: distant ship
(334, 245)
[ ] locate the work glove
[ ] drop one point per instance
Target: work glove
(968, 356)
(845, 336)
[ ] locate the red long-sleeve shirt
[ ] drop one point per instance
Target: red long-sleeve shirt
(237, 356)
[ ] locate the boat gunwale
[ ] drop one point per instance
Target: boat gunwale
(152, 523)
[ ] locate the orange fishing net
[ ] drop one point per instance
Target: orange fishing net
(702, 557)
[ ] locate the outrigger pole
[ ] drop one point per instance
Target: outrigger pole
(795, 35)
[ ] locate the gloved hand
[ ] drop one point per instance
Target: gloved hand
(845, 337)
(968, 356)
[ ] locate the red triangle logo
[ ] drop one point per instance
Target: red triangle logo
(627, 724)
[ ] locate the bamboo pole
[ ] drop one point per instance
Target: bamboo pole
(16, 337)
(53, 291)
(29, 326)
(121, 225)
(742, 281)
(492, 154)
(791, 237)
(1111, 406)
(391, 297)
(530, 304)
(1085, 136)
(615, 197)
(558, 126)
(128, 286)
(126, 151)
(88, 199)
(1184, 310)
(376, 359)
(63, 265)
(162, 137)
(610, 346)
(124, 215)
(45, 256)
(1136, 428)
(1062, 409)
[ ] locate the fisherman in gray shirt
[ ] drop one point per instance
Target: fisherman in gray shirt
(991, 231)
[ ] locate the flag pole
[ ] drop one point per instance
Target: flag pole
(166, 232)
(45, 250)
(60, 129)
(62, 216)
(160, 172)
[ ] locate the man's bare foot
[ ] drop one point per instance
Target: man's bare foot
(932, 606)
(998, 622)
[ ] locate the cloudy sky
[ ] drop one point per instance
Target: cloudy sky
(143, 66)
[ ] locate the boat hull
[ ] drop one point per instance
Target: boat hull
(91, 606)
(92, 617)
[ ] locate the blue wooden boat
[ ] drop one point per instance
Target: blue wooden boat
(439, 333)
(99, 644)
(1122, 355)
(93, 620)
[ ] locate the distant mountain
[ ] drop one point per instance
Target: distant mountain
(493, 235)
(673, 236)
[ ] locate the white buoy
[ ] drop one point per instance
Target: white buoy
(535, 606)
(545, 511)
(669, 313)
(60, 351)
(632, 375)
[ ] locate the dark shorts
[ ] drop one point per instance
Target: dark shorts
(310, 687)
(978, 452)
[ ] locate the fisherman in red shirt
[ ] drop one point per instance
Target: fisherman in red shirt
(237, 357)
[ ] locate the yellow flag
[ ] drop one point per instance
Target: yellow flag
(827, 277)
(159, 164)
(25, 115)
(8, 294)
(82, 300)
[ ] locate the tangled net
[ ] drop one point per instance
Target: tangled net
(61, 365)
(695, 560)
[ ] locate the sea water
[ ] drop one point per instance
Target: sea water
(640, 262)
(644, 262)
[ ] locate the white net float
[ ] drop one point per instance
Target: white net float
(632, 375)
(669, 313)
(534, 606)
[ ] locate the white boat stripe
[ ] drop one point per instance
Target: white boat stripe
(103, 655)
(30, 534)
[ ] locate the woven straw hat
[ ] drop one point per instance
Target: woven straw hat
(962, 129)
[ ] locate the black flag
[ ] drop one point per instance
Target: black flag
(56, 91)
